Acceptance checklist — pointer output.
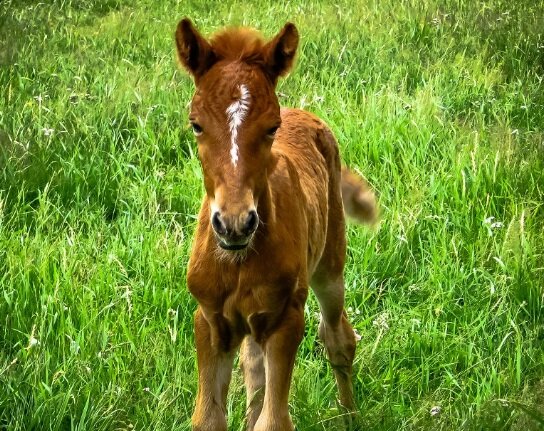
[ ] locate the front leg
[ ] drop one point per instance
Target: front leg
(280, 349)
(252, 361)
(215, 357)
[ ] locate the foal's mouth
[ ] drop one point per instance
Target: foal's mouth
(232, 247)
(233, 243)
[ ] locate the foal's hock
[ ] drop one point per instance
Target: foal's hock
(271, 225)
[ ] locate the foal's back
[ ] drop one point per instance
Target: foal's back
(308, 144)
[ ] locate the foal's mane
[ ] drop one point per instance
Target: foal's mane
(239, 44)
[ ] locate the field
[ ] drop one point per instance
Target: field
(439, 103)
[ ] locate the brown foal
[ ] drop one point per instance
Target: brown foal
(271, 224)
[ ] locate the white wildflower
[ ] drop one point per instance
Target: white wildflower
(491, 224)
(381, 322)
(357, 335)
(402, 238)
(32, 340)
(435, 411)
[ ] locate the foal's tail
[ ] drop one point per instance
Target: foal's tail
(358, 197)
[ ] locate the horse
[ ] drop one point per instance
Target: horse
(270, 225)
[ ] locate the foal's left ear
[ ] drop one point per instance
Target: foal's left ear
(280, 52)
(194, 51)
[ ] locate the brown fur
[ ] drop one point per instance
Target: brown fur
(257, 295)
(242, 44)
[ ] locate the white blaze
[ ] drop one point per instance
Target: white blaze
(236, 113)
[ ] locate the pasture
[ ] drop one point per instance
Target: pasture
(439, 104)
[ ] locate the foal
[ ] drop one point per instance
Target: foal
(270, 225)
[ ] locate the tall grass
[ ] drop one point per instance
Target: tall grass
(440, 104)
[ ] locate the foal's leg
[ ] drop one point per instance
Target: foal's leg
(214, 372)
(251, 356)
(336, 333)
(328, 285)
(280, 349)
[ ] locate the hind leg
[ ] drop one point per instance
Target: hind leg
(336, 333)
(251, 356)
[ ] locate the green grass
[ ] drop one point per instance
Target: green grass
(439, 103)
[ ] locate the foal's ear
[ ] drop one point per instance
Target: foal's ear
(194, 52)
(280, 52)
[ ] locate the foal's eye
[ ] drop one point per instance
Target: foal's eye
(197, 130)
(272, 132)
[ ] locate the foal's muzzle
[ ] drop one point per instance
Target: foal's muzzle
(235, 232)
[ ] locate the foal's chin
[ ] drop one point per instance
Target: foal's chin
(234, 252)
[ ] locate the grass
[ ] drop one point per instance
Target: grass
(439, 103)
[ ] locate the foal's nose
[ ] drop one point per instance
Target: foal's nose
(235, 227)
(250, 223)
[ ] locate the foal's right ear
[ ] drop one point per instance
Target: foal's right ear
(194, 52)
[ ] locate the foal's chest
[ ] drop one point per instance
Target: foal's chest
(241, 299)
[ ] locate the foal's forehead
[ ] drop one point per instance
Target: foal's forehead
(222, 87)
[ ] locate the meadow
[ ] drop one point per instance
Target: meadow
(439, 103)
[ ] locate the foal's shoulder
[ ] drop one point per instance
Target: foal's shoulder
(295, 116)
(300, 124)
(302, 129)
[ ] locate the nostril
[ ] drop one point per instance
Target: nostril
(217, 224)
(252, 222)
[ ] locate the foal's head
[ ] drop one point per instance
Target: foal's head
(235, 115)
